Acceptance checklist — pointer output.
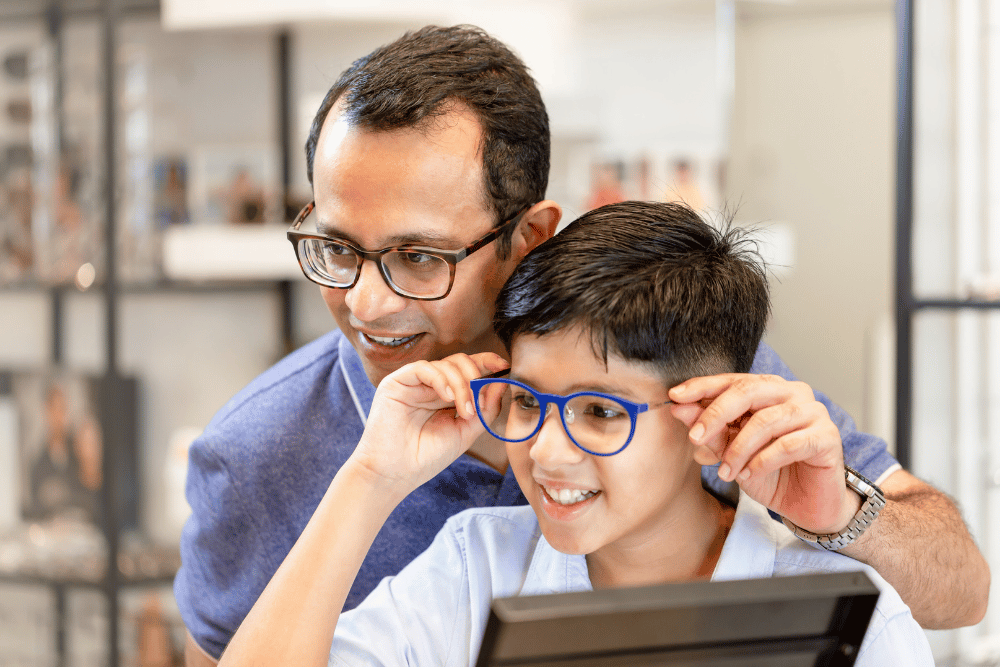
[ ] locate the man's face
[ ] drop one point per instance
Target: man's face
(631, 503)
(381, 189)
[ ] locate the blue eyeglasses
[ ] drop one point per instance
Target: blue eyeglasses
(599, 424)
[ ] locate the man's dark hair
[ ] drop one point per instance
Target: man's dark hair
(420, 77)
(650, 282)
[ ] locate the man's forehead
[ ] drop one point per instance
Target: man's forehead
(450, 119)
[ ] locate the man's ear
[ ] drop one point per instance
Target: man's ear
(539, 225)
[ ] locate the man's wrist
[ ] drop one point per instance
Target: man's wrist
(872, 502)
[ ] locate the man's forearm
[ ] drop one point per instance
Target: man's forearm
(921, 546)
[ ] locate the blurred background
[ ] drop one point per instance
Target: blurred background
(151, 158)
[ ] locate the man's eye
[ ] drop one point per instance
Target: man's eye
(337, 249)
(416, 259)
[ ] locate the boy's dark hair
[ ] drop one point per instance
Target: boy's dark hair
(421, 75)
(650, 282)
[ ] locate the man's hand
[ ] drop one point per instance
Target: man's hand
(779, 444)
(776, 440)
(425, 420)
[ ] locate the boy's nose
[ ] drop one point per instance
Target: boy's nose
(551, 446)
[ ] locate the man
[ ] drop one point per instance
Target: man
(440, 141)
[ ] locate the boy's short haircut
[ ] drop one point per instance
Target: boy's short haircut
(419, 77)
(650, 282)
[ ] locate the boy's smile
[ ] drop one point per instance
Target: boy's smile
(643, 504)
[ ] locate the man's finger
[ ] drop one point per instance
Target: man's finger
(748, 393)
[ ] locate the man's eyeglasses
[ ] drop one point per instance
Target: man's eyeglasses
(411, 271)
(599, 424)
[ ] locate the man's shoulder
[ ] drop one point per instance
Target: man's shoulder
(295, 374)
(276, 424)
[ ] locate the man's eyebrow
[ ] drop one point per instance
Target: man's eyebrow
(429, 238)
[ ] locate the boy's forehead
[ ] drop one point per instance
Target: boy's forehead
(570, 357)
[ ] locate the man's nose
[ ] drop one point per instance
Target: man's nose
(551, 446)
(371, 297)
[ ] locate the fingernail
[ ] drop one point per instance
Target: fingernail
(468, 408)
(745, 475)
(450, 393)
(725, 472)
(697, 432)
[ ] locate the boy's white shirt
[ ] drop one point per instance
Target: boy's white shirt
(434, 612)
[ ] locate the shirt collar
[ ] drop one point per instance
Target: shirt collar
(749, 553)
(361, 388)
(752, 544)
(552, 571)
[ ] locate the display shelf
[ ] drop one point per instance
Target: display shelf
(186, 265)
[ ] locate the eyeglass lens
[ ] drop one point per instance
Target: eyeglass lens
(413, 273)
(596, 423)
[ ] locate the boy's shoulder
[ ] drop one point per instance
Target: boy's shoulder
(491, 521)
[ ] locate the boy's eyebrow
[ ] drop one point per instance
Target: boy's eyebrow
(614, 391)
(497, 374)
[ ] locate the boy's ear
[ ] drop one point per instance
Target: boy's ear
(539, 225)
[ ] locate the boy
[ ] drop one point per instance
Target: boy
(600, 322)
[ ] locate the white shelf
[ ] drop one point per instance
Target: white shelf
(221, 252)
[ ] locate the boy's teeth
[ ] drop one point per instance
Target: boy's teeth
(568, 496)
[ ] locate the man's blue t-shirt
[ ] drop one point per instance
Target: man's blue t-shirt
(258, 472)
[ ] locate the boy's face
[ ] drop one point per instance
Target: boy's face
(641, 493)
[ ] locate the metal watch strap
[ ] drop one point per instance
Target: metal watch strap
(870, 508)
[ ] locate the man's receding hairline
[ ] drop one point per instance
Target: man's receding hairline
(427, 127)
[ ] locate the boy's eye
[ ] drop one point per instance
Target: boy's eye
(525, 401)
(604, 411)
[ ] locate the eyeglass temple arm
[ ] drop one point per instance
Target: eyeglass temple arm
(489, 238)
(303, 214)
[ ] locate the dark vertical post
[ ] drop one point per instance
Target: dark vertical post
(284, 106)
(54, 23)
(112, 426)
(905, 303)
(59, 593)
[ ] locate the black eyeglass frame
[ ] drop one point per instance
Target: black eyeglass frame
(450, 257)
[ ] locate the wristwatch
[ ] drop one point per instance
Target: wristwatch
(870, 508)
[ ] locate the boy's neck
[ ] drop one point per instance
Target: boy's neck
(689, 549)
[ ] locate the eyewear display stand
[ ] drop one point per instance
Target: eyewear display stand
(123, 566)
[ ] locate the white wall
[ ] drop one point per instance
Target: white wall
(812, 151)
